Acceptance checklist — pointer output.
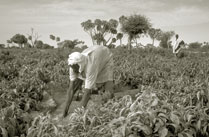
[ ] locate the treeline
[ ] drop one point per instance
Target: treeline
(107, 33)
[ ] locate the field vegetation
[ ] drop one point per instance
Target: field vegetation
(172, 99)
(172, 96)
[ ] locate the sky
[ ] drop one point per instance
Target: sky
(63, 18)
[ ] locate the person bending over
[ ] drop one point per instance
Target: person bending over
(177, 45)
(93, 66)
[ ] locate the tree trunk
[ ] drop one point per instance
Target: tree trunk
(32, 43)
(153, 41)
(129, 43)
(92, 38)
(120, 42)
(20, 45)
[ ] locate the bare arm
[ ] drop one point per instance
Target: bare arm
(70, 94)
(86, 97)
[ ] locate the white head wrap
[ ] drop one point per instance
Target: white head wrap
(77, 58)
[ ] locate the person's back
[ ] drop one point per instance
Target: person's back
(98, 58)
(93, 66)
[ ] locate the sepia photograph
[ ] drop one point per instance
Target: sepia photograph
(104, 68)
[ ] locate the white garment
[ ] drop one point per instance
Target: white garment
(177, 46)
(97, 66)
(77, 58)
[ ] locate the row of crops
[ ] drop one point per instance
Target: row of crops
(173, 98)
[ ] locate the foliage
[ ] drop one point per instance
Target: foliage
(172, 99)
(2, 46)
(150, 114)
(57, 39)
(165, 38)
(69, 43)
(19, 39)
(38, 44)
(52, 37)
(119, 37)
(101, 31)
(205, 48)
(195, 45)
(154, 34)
(24, 76)
(134, 25)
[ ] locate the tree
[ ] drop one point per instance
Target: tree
(28, 45)
(9, 42)
(135, 38)
(19, 39)
(154, 34)
(195, 45)
(47, 46)
(165, 39)
(101, 31)
(39, 44)
(66, 44)
(89, 27)
(2, 46)
(52, 37)
(57, 39)
(134, 25)
(32, 37)
(119, 37)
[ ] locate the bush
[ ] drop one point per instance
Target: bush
(195, 45)
(2, 46)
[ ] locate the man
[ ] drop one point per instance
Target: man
(177, 45)
(93, 66)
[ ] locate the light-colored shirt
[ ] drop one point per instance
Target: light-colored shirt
(177, 46)
(98, 66)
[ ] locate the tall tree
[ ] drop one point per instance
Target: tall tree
(119, 37)
(134, 25)
(165, 38)
(101, 31)
(89, 27)
(154, 34)
(32, 37)
(19, 39)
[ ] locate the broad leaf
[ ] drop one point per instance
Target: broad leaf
(163, 132)
(174, 118)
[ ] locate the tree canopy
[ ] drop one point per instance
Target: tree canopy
(134, 25)
(69, 43)
(19, 39)
(101, 31)
(154, 34)
(165, 38)
(119, 37)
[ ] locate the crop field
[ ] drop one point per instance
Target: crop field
(172, 98)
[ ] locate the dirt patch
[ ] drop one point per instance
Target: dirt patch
(59, 93)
